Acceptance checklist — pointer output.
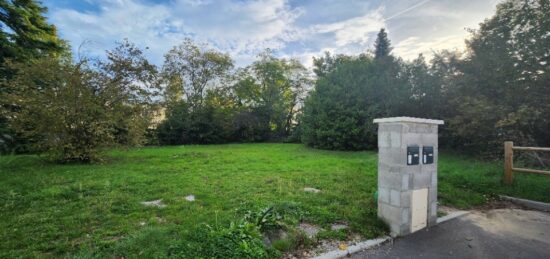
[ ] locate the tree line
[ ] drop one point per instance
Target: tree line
(72, 108)
(497, 90)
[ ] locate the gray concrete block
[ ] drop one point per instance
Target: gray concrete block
(419, 128)
(406, 199)
(392, 156)
(395, 198)
(429, 139)
(432, 221)
(405, 181)
(384, 139)
(391, 127)
(405, 229)
(432, 194)
(390, 168)
(395, 230)
(390, 213)
(433, 209)
(394, 181)
(395, 138)
(413, 169)
(421, 180)
(429, 168)
(405, 216)
(412, 139)
(384, 194)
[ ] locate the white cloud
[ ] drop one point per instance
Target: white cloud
(245, 28)
(411, 47)
(241, 28)
(354, 30)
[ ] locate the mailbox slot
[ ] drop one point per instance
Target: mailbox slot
(427, 155)
(413, 155)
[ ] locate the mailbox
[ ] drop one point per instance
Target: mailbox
(413, 155)
(427, 155)
(407, 173)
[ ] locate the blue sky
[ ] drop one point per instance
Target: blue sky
(292, 28)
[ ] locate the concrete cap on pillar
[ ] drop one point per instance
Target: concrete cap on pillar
(408, 119)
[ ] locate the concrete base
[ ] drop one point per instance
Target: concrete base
(537, 205)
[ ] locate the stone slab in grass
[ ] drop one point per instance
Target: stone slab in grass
(310, 230)
(310, 189)
(190, 197)
(155, 203)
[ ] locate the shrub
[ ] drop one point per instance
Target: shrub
(58, 111)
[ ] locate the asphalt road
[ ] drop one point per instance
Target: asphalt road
(501, 233)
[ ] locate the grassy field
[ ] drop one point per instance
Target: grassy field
(50, 210)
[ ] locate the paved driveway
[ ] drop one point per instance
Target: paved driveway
(499, 233)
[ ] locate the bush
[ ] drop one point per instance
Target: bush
(337, 114)
(57, 110)
(185, 125)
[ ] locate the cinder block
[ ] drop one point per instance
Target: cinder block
(383, 195)
(383, 139)
(390, 168)
(418, 128)
(395, 230)
(405, 182)
(406, 199)
(430, 168)
(421, 180)
(406, 216)
(433, 209)
(392, 156)
(432, 194)
(429, 139)
(391, 127)
(395, 139)
(395, 198)
(405, 229)
(390, 213)
(411, 139)
(394, 181)
(434, 180)
(432, 221)
(414, 169)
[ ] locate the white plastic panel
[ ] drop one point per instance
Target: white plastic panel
(419, 209)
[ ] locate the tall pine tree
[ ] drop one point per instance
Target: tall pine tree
(25, 33)
(382, 45)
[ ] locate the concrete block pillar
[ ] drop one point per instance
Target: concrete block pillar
(407, 173)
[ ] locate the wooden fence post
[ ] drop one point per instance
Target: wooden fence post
(508, 162)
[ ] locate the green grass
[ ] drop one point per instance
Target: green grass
(50, 210)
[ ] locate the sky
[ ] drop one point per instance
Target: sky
(291, 28)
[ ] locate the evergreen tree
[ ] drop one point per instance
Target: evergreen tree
(382, 45)
(25, 33)
(502, 90)
(339, 111)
